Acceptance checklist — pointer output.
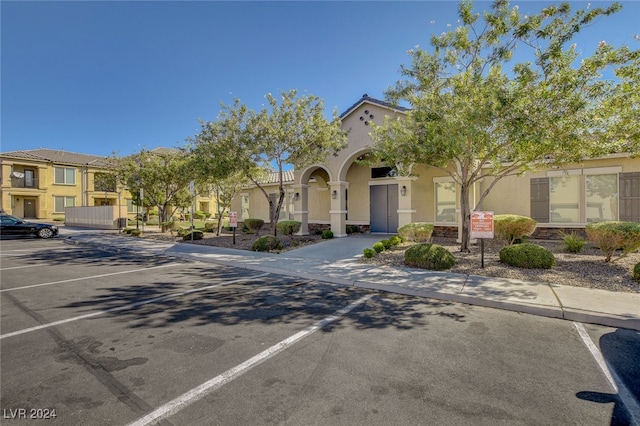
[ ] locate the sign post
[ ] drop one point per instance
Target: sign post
(233, 223)
(193, 208)
(482, 227)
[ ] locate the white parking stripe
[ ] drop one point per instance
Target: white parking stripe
(127, 306)
(217, 382)
(24, 266)
(623, 392)
(89, 278)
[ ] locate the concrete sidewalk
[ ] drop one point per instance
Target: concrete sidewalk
(336, 261)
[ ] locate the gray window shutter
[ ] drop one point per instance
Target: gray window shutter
(540, 199)
(629, 184)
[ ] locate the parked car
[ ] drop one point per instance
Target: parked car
(11, 225)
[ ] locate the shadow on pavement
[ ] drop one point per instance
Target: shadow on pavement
(621, 351)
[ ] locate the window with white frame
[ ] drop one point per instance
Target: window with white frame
(131, 206)
(65, 175)
(59, 203)
(245, 207)
(573, 196)
(564, 199)
(601, 197)
(445, 201)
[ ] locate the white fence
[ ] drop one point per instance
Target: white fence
(101, 217)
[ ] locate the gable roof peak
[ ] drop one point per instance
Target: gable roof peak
(368, 99)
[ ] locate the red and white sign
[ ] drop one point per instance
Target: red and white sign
(233, 219)
(481, 224)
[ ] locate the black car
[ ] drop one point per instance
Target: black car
(11, 225)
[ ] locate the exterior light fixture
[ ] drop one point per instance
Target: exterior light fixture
(334, 194)
(403, 190)
(296, 196)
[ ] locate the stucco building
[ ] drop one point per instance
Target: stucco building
(343, 191)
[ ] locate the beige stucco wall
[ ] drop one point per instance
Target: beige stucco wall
(512, 194)
(358, 177)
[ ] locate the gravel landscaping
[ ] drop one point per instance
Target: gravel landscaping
(585, 269)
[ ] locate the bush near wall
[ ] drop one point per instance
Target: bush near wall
(266, 243)
(528, 256)
(327, 234)
(197, 235)
(288, 227)
(511, 228)
(613, 235)
(418, 232)
(254, 225)
(429, 256)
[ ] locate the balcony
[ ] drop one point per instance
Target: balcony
(24, 182)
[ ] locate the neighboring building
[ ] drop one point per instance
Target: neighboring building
(40, 183)
(342, 191)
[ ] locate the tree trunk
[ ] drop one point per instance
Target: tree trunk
(465, 213)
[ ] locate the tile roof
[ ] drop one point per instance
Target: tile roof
(287, 176)
(367, 98)
(58, 157)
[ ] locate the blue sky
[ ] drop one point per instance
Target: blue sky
(117, 76)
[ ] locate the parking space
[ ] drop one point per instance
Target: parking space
(114, 339)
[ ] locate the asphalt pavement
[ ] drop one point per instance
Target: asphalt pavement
(336, 261)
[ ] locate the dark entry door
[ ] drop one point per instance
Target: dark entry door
(30, 208)
(384, 208)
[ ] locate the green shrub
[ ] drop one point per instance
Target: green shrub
(197, 235)
(511, 228)
(168, 226)
(395, 240)
(254, 225)
(153, 213)
(386, 244)
(327, 234)
(429, 256)
(352, 229)
(573, 242)
(368, 253)
(418, 232)
(135, 232)
(128, 230)
(613, 235)
(199, 214)
(378, 247)
(266, 243)
(180, 232)
(528, 256)
(636, 272)
(153, 221)
(187, 217)
(210, 226)
(58, 219)
(288, 227)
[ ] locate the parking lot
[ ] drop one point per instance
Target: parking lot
(95, 337)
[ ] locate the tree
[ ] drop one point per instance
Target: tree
(473, 119)
(290, 131)
(162, 174)
(224, 190)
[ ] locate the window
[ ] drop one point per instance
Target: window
(445, 193)
(61, 202)
(245, 207)
(601, 197)
(564, 199)
(65, 175)
(131, 207)
(382, 172)
(104, 182)
(591, 195)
